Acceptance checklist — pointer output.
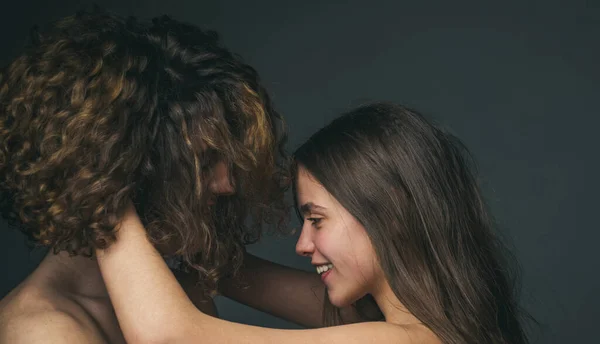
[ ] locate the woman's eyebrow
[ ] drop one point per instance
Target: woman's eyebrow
(309, 207)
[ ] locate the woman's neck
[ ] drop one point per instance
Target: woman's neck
(393, 310)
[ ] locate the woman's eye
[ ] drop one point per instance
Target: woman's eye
(314, 220)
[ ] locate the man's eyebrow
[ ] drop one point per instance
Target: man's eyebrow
(310, 206)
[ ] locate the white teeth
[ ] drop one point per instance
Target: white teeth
(322, 268)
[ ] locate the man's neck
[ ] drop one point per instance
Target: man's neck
(78, 275)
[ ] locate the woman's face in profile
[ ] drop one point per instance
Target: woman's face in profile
(336, 242)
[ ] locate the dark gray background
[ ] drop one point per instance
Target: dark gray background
(516, 80)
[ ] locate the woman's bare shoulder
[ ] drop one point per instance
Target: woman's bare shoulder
(382, 332)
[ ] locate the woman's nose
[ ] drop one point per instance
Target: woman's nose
(305, 246)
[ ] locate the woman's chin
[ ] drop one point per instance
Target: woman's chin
(340, 301)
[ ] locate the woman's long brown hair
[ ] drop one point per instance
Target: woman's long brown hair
(414, 189)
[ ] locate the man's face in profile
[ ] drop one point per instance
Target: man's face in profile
(218, 183)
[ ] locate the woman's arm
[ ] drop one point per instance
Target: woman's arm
(142, 289)
(153, 308)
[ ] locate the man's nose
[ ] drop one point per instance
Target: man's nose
(221, 183)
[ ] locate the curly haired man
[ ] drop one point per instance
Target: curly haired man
(101, 111)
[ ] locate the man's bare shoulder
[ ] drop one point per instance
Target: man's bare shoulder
(45, 327)
(30, 315)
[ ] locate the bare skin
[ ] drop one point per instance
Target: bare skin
(65, 301)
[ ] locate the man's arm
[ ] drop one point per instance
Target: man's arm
(285, 292)
(195, 292)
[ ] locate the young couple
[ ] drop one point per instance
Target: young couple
(123, 141)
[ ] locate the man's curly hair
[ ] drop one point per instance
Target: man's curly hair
(101, 110)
